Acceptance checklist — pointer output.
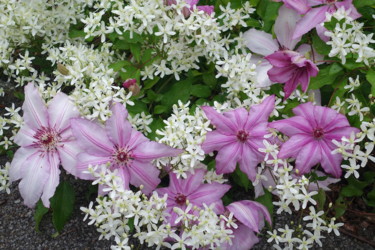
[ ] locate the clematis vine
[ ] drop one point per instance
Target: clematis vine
(315, 13)
(311, 133)
(46, 141)
(192, 190)
(120, 147)
(249, 217)
(238, 136)
(209, 9)
(284, 64)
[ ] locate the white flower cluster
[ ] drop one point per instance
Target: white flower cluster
(141, 122)
(11, 121)
(185, 131)
(87, 69)
(353, 104)
(351, 149)
(25, 22)
(4, 178)
(122, 213)
(348, 37)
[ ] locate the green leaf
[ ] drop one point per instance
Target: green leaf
(135, 49)
(370, 76)
(266, 200)
(326, 76)
(137, 108)
(19, 95)
(76, 33)
(40, 211)
(179, 91)
(319, 45)
(340, 207)
(149, 83)
(241, 179)
(200, 90)
(131, 224)
(159, 109)
(62, 204)
(210, 80)
(363, 3)
(268, 11)
(117, 66)
(320, 198)
(351, 191)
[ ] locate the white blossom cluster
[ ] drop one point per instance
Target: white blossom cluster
(294, 194)
(348, 37)
(4, 178)
(11, 121)
(141, 122)
(87, 69)
(25, 22)
(185, 131)
(121, 213)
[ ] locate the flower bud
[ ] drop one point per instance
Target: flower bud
(62, 69)
(132, 85)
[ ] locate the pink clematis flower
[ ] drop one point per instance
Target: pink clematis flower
(193, 190)
(238, 136)
(249, 217)
(209, 9)
(121, 147)
(284, 64)
(311, 133)
(313, 17)
(46, 141)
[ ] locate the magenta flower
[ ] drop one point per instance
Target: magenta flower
(45, 140)
(249, 217)
(193, 190)
(311, 133)
(238, 136)
(284, 64)
(209, 9)
(315, 16)
(121, 147)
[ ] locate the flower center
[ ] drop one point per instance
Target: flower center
(318, 133)
(122, 156)
(180, 199)
(47, 138)
(242, 135)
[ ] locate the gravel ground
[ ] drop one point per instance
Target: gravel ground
(17, 222)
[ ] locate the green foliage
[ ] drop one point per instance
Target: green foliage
(326, 76)
(241, 179)
(40, 211)
(320, 198)
(268, 11)
(266, 200)
(370, 76)
(200, 90)
(62, 204)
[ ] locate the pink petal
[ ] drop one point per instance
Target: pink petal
(136, 138)
(292, 126)
(245, 212)
(339, 121)
(34, 109)
(146, 174)
(20, 162)
(118, 128)
(227, 158)
(25, 136)
(244, 239)
(281, 58)
(320, 30)
(209, 9)
(304, 80)
(260, 42)
(60, 110)
(239, 116)
(306, 110)
(331, 163)
(53, 179)
(125, 177)
(192, 182)
(262, 79)
(260, 112)
(338, 133)
(68, 152)
(215, 141)
(301, 6)
(312, 18)
(91, 137)
(308, 156)
(208, 193)
(152, 150)
(285, 25)
(85, 159)
(220, 121)
(249, 162)
(294, 145)
(281, 75)
(35, 177)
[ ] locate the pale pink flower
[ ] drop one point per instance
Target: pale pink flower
(194, 191)
(311, 133)
(121, 147)
(285, 65)
(249, 217)
(313, 17)
(238, 136)
(209, 9)
(46, 141)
